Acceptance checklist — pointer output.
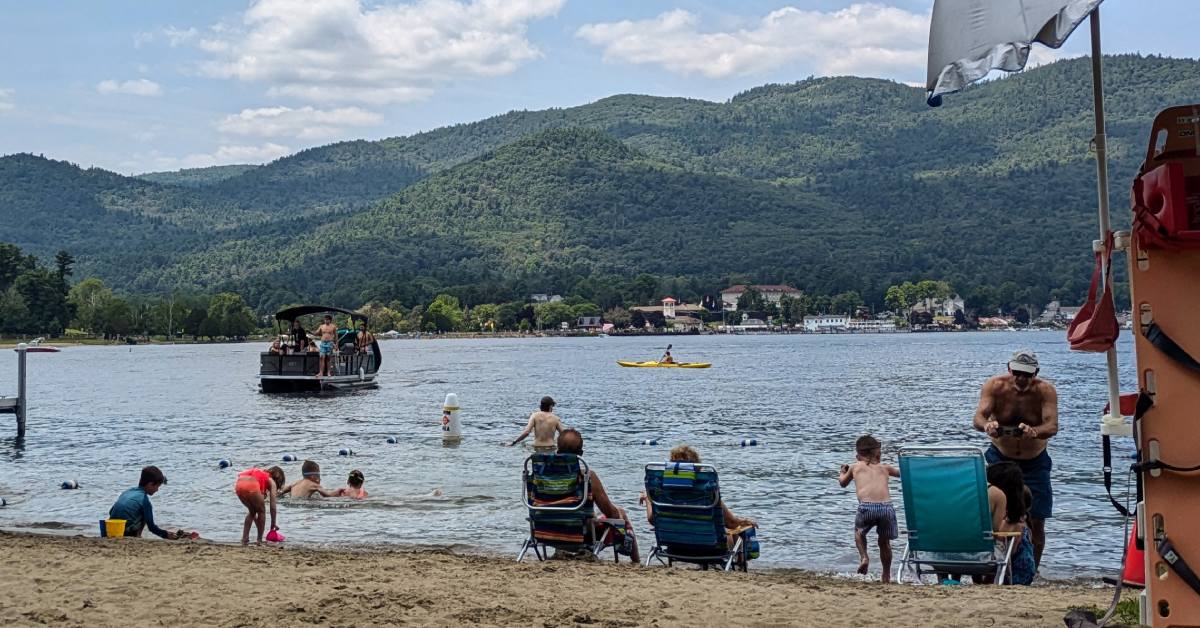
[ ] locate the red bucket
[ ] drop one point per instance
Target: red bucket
(1135, 562)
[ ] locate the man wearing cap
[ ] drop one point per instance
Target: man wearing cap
(1020, 413)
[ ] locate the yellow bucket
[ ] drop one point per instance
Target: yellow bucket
(114, 527)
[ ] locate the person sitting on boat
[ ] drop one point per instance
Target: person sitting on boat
(277, 348)
(666, 358)
(328, 334)
(299, 336)
(311, 348)
(363, 339)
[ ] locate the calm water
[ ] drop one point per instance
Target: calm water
(101, 413)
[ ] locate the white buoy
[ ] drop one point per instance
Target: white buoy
(451, 423)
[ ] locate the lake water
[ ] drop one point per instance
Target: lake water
(100, 413)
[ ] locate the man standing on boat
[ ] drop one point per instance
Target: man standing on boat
(363, 339)
(328, 333)
(1020, 414)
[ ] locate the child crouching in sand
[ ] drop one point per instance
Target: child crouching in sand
(254, 487)
(874, 502)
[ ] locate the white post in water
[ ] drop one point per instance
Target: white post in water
(21, 403)
(451, 423)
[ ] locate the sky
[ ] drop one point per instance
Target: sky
(140, 86)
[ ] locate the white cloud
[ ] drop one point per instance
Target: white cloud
(862, 39)
(179, 36)
(154, 160)
(136, 87)
(6, 99)
(305, 123)
(341, 50)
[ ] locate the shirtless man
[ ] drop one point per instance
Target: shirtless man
(545, 426)
(1020, 413)
(363, 339)
(875, 508)
(328, 333)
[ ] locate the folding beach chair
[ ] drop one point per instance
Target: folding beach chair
(947, 515)
(689, 524)
(558, 496)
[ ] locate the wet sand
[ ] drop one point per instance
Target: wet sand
(137, 582)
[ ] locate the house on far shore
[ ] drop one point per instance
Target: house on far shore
(994, 322)
(544, 298)
(671, 308)
(685, 323)
(940, 307)
(1056, 314)
(771, 294)
(827, 323)
(590, 323)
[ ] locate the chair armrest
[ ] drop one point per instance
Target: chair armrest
(1011, 535)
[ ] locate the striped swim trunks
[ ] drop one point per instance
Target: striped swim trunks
(878, 515)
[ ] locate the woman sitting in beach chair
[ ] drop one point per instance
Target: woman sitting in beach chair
(691, 521)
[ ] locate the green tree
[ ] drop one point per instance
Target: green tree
(90, 298)
(618, 316)
(444, 313)
(230, 316)
(553, 314)
(845, 303)
(485, 317)
(14, 315)
(751, 300)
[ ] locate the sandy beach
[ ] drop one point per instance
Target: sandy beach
(140, 582)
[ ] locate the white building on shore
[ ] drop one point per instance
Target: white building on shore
(872, 325)
(826, 323)
(770, 293)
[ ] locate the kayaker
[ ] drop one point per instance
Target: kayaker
(666, 358)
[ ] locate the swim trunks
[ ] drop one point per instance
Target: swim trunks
(326, 347)
(878, 515)
(252, 481)
(545, 449)
(1036, 473)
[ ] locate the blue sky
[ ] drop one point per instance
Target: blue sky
(141, 86)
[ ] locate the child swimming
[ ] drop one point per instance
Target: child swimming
(875, 508)
(354, 486)
(309, 484)
(254, 487)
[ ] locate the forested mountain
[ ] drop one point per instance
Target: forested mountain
(831, 184)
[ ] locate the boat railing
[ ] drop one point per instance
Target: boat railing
(306, 364)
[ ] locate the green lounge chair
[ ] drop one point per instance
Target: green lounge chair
(558, 496)
(689, 523)
(949, 523)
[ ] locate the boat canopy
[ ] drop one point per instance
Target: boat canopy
(292, 313)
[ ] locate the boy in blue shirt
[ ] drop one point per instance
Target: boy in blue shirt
(134, 505)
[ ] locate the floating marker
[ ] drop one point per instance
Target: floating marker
(345, 452)
(223, 464)
(650, 441)
(451, 424)
(391, 440)
(749, 442)
(289, 458)
(70, 485)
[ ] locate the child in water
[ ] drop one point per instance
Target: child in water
(354, 486)
(309, 484)
(875, 508)
(254, 487)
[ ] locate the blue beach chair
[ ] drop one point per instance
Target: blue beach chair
(947, 515)
(689, 523)
(557, 493)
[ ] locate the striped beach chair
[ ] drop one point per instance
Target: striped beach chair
(949, 522)
(689, 523)
(557, 494)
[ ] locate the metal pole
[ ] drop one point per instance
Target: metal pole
(21, 398)
(1101, 143)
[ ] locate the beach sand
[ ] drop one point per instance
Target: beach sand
(140, 582)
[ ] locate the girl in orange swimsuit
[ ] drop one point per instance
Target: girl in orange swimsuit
(255, 487)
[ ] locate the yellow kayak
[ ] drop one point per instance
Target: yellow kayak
(666, 365)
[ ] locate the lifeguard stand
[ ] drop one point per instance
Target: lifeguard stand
(1165, 280)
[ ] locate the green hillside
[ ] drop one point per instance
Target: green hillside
(830, 184)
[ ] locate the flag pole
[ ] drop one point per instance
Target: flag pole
(1101, 144)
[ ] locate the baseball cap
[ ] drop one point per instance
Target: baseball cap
(1023, 360)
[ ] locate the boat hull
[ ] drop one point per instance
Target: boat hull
(312, 384)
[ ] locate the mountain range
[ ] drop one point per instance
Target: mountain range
(830, 184)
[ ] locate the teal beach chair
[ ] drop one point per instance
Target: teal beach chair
(557, 494)
(689, 523)
(949, 523)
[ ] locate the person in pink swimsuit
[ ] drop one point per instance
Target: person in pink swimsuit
(255, 487)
